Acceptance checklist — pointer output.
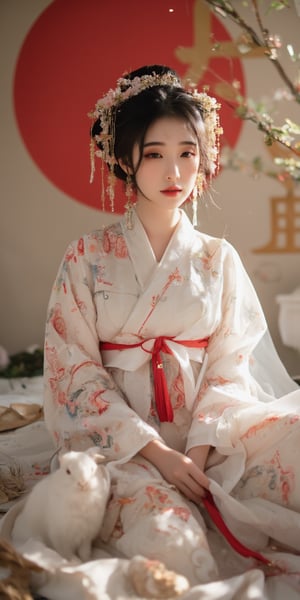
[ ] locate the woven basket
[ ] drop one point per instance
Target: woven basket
(15, 573)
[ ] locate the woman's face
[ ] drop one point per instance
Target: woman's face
(170, 163)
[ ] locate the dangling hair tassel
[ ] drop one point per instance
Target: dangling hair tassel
(92, 159)
(129, 204)
(195, 211)
(102, 187)
(111, 189)
(196, 195)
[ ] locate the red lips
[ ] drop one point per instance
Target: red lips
(171, 191)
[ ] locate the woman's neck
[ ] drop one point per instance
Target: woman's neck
(159, 226)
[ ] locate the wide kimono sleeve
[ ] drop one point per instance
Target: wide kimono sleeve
(229, 391)
(83, 406)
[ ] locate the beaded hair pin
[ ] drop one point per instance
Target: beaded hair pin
(105, 111)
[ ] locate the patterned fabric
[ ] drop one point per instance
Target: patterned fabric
(111, 288)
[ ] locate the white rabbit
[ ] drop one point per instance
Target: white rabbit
(66, 509)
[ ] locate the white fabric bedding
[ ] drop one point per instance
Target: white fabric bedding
(105, 576)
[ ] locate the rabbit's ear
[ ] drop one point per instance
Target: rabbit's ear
(99, 458)
(94, 453)
(55, 459)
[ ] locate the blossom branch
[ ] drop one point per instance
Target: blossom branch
(225, 8)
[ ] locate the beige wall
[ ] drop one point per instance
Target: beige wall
(38, 221)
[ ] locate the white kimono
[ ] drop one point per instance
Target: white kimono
(110, 288)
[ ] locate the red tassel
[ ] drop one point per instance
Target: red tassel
(162, 399)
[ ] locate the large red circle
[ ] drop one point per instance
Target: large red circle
(74, 52)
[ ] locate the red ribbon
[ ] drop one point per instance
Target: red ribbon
(217, 518)
(161, 392)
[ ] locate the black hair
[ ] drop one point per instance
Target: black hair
(134, 116)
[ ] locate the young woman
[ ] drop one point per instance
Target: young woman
(151, 338)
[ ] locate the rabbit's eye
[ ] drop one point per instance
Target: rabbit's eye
(68, 471)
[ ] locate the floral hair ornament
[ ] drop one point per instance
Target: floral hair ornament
(210, 114)
(105, 111)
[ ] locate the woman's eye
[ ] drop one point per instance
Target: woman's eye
(152, 155)
(188, 154)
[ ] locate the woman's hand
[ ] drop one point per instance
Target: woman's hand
(178, 469)
(199, 455)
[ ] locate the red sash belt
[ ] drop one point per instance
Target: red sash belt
(162, 399)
